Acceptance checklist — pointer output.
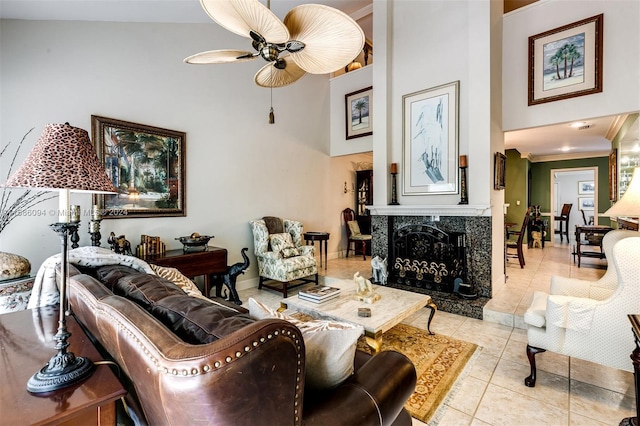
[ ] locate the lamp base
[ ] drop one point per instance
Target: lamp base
(64, 369)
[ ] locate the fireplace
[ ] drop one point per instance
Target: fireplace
(461, 243)
(424, 256)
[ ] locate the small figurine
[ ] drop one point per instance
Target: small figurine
(119, 244)
(380, 271)
(364, 292)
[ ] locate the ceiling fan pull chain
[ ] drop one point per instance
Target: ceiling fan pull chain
(272, 117)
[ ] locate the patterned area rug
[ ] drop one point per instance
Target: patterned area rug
(438, 360)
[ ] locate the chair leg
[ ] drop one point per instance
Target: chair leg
(520, 256)
(364, 250)
(284, 290)
(531, 353)
(348, 246)
(260, 283)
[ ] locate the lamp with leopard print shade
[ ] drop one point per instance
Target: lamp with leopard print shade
(62, 160)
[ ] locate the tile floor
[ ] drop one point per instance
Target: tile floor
(491, 390)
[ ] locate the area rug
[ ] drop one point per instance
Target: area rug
(438, 359)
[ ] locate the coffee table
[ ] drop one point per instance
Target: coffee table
(394, 306)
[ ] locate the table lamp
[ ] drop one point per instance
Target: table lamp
(629, 204)
(62, 160)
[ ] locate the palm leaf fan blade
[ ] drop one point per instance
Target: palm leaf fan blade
(219, 57)
(270, 76)
(332, 39)
(242, 16)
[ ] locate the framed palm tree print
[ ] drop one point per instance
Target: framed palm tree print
(566, 62)
(145, 164)
(358, 107)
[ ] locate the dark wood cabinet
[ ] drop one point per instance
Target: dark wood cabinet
(364, 197)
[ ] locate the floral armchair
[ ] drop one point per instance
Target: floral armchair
(282, 256)
(588, 320)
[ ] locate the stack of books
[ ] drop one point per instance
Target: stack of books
(319, 294)
(150, 246)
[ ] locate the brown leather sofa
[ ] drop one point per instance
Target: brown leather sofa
(219, 366)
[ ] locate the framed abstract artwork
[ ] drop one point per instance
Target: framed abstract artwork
(430, 141)
(566, 62)
(358, 109)
(145, 164)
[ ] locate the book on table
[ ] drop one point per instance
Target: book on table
(309, 299)
(319, 294)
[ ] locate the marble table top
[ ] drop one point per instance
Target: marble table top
(393, 307)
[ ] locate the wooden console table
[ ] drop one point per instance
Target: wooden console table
(212, 261)
(590, 236)
(22, 353)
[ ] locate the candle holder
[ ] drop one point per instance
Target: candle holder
(94, 231)
(464, 199)
(394, 190)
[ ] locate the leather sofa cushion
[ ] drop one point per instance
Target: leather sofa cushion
(110, 274)
(198, 321)
(145, 289)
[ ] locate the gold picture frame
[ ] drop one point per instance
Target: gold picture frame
(146, 165)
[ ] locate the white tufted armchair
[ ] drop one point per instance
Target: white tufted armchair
(588, 320)
(284, 263)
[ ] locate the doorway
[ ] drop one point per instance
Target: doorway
(579, 187)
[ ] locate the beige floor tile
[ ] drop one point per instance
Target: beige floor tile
(516, 351)
(468, 396)
(504, 407)
(605, 377)
(600, 404)
(452, 417)
(550, 388)
(492, 345)
(576, 419)
(483, 367)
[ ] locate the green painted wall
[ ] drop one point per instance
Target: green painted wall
(516, 186)
(541, 185)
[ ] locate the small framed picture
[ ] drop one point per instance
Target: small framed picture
(586, 203)
(358, 108)
(586, 187)
(499, 169)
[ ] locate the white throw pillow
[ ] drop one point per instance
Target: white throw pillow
(330, 346)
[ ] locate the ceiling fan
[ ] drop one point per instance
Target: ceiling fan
(312, 38)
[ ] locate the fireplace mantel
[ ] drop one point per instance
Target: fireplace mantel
(430, 210)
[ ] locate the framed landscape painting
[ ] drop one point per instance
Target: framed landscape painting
(358, 108)
(430, 141)
(566, 62)
(145, 164)
(586, 187)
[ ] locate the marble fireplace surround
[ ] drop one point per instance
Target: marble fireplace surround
(473, 220)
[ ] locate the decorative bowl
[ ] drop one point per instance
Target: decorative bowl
(195, 242)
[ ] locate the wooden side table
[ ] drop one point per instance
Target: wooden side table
(22, 353)
(595, 232)
(212, 261)
(312, 237)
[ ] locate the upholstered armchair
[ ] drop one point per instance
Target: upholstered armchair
(588, 320)
(282, 256)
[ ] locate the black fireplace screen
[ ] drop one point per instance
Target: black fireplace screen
(427, 257)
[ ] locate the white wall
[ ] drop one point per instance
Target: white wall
(339, 87)
(238, 166)
(435, 43)
(621, 62)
